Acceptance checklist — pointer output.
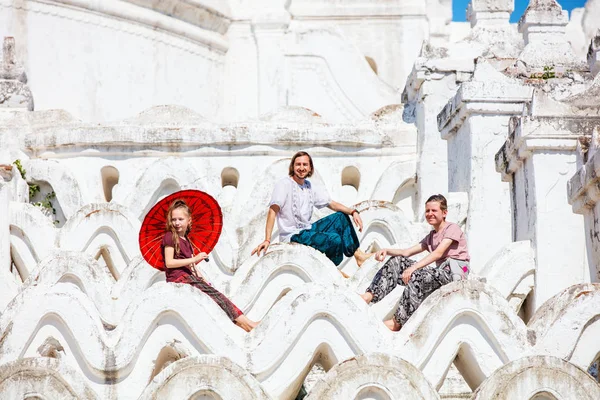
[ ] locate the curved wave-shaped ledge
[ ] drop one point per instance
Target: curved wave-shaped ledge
(311, 320)
(529, 377)
(42, 377)
(373, 376)
(112, 229)
(207, 374)
(255, 287)
(568, 325)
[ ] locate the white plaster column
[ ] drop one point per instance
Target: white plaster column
(584, 196)
(269, 29)
(426, 94)
(593, 55)
(5, 188)
(8, 284)
(241, 73)
(489, 13)
(475, 125)
(538, 159)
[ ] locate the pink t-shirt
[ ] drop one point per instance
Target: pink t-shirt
(458, 248)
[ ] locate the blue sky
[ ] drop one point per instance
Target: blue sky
(459, 8)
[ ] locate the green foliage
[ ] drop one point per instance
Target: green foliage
(548, 72)
(20, 168)
(34, 189)
(47, 202)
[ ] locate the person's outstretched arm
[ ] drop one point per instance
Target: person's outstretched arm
(411, 251)
(335, 206)
(271, 215)
(428, 259)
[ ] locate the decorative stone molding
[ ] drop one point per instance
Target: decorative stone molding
(176, 129)
(489, 92)
(212, 15)
(355, 8)
(150, 18)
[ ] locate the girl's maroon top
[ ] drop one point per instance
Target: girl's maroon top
(185, 251)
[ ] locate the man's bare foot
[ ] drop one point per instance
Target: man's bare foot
(392, 325)
(367, 297)
(245, 323)
(345, 275)
(361, 257)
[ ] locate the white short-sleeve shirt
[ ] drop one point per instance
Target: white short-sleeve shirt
(296, 204)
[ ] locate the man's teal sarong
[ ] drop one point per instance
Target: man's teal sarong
(333, 235)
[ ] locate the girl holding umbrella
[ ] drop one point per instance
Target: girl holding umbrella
(188, 227)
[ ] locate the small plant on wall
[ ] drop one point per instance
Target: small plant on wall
(46, 203)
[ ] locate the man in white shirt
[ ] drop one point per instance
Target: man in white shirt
(292, 204)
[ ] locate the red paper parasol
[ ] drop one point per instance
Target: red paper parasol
(207, 222)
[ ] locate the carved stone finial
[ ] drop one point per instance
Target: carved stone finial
(10, 68)
(489, 12)
(14, 92)
(543, 27)
(593, 55)
(543, 20)
(8, 51)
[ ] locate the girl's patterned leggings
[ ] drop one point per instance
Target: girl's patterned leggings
(230, 309)
(423, 282)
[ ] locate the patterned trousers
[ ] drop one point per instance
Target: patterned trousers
(230, 309)
(333, 235)
(423, 282)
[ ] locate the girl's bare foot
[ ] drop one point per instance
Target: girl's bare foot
(392, 325)
(245, 323)
(367, 297)
(361, 257)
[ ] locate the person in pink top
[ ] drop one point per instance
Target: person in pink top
(447, 248)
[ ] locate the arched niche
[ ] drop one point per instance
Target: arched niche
(372, 64)
(110, 177)
(351, 177)
(230, 177)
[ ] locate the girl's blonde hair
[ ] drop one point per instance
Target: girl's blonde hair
(170, 228)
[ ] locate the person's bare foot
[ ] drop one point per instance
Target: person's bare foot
(361, 257)
(245, 323)
(345, 275)
(392, 325)
(367, 297)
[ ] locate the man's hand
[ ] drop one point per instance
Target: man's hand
(261, 247)
(407, 274)
(357, 220)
